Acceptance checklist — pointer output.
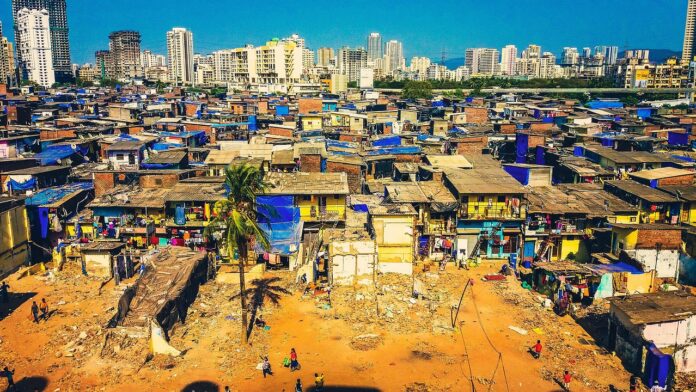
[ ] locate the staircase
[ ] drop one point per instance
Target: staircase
(543, 251)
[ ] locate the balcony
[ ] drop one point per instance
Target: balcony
(438, 227)
(484, 211)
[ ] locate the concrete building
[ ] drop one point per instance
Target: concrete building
(367, 78)
(307, 59)
(610, 53)
(149, 59)
(394, 50)
(7, 61)
(325, 56)
(481, 61)
(58, 26)
(571, 56)
(124, 55)
(508, 59)
(34, 38)
(374, 47)
(652, 334)
(420, 66)
(277, 63)
(351, 61)
(87, 73)
(180, 56)
(689, 32)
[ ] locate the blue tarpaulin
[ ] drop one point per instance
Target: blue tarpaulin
(22, 186)
(402, 150)
(180, 215)
(657, 365)
(604, 104)
(52, 195)
(158, 166)
(340, 144)
(280, 220)
(387, 141)
(614, 268)
(53, 154)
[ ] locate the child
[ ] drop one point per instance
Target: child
(566, 380)
(536, 349)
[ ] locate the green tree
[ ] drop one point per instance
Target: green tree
(236, 219)
(352, 84)
(415, 90)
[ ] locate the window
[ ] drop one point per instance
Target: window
(336, 197)
(481, 199)
(306, 198)
(501, 199)
(120, 157)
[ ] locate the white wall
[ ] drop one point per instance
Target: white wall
(667, 262)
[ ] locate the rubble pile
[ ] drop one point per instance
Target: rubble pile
(391, 304)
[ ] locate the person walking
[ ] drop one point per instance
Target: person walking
(318, 382)
(566, 380)
(294, 364)
(656, 387)
(35, 311)
(117, 275)
(4, 292)
(8, 374)
(536, 349)
(266, 367)
(43, 307)
(298, 385)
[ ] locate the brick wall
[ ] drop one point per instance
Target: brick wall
(350, 137)
(472, 145)
(476, 115)
(310, 163)
(159, 180)
(103, 183)
(352, 171)
(686, 179)
(669, 239)
(208, 129)
(536, 140)
(542, 127)
(408, 158)
(309, 105)
(47, 134)
(508, 129)
(262, 107)
(280, 131)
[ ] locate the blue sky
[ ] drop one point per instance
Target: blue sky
(425, 27)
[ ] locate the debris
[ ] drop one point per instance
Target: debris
(365, 342)
(518, 330)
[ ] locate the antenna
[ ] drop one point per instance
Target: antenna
(443, 56)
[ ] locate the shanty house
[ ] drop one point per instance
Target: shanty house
(653, 247)
(653, 334)
(656, 206)
(98, 257)
(14, 235)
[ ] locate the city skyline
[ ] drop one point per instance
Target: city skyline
(456, 30)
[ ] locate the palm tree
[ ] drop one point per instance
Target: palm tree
(236, 218)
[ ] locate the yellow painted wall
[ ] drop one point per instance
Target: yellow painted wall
(312, 123)
(486, 209)
(14, 234)
(625, 218)
(627, 236)
(334, 207)
(395, 238)
(570, 244)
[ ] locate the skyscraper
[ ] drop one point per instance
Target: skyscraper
(7, 61)
(394, 50)
(689, 31)
(374, 46)
(124, 54)
(35, 46)
(571, 56)
(180, 55)
(508, 60)
(58, 25)
(324, 56)
(481, 60)
(350, 61)
(610, 53)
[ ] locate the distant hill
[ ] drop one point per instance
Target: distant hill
(659, 55)
(656, 56)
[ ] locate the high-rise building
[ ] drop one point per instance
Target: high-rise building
(481, 60)
(278, 62)
(420, 66)
(58, 25)
(689, 32)
(307, 59)
(180, 56)
(351, 61)
(609, 53)
(395, 51)
(124, 55)
(325, 56)
(586, 53)
(34, 46)
(374, 47)
(532, 52)
(571, 56)
(148, 59)
(508, 59)
(7, 60)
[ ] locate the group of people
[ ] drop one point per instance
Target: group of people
(294, 365)
(36, 308)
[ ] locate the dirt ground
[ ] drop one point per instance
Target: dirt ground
(369, 339)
